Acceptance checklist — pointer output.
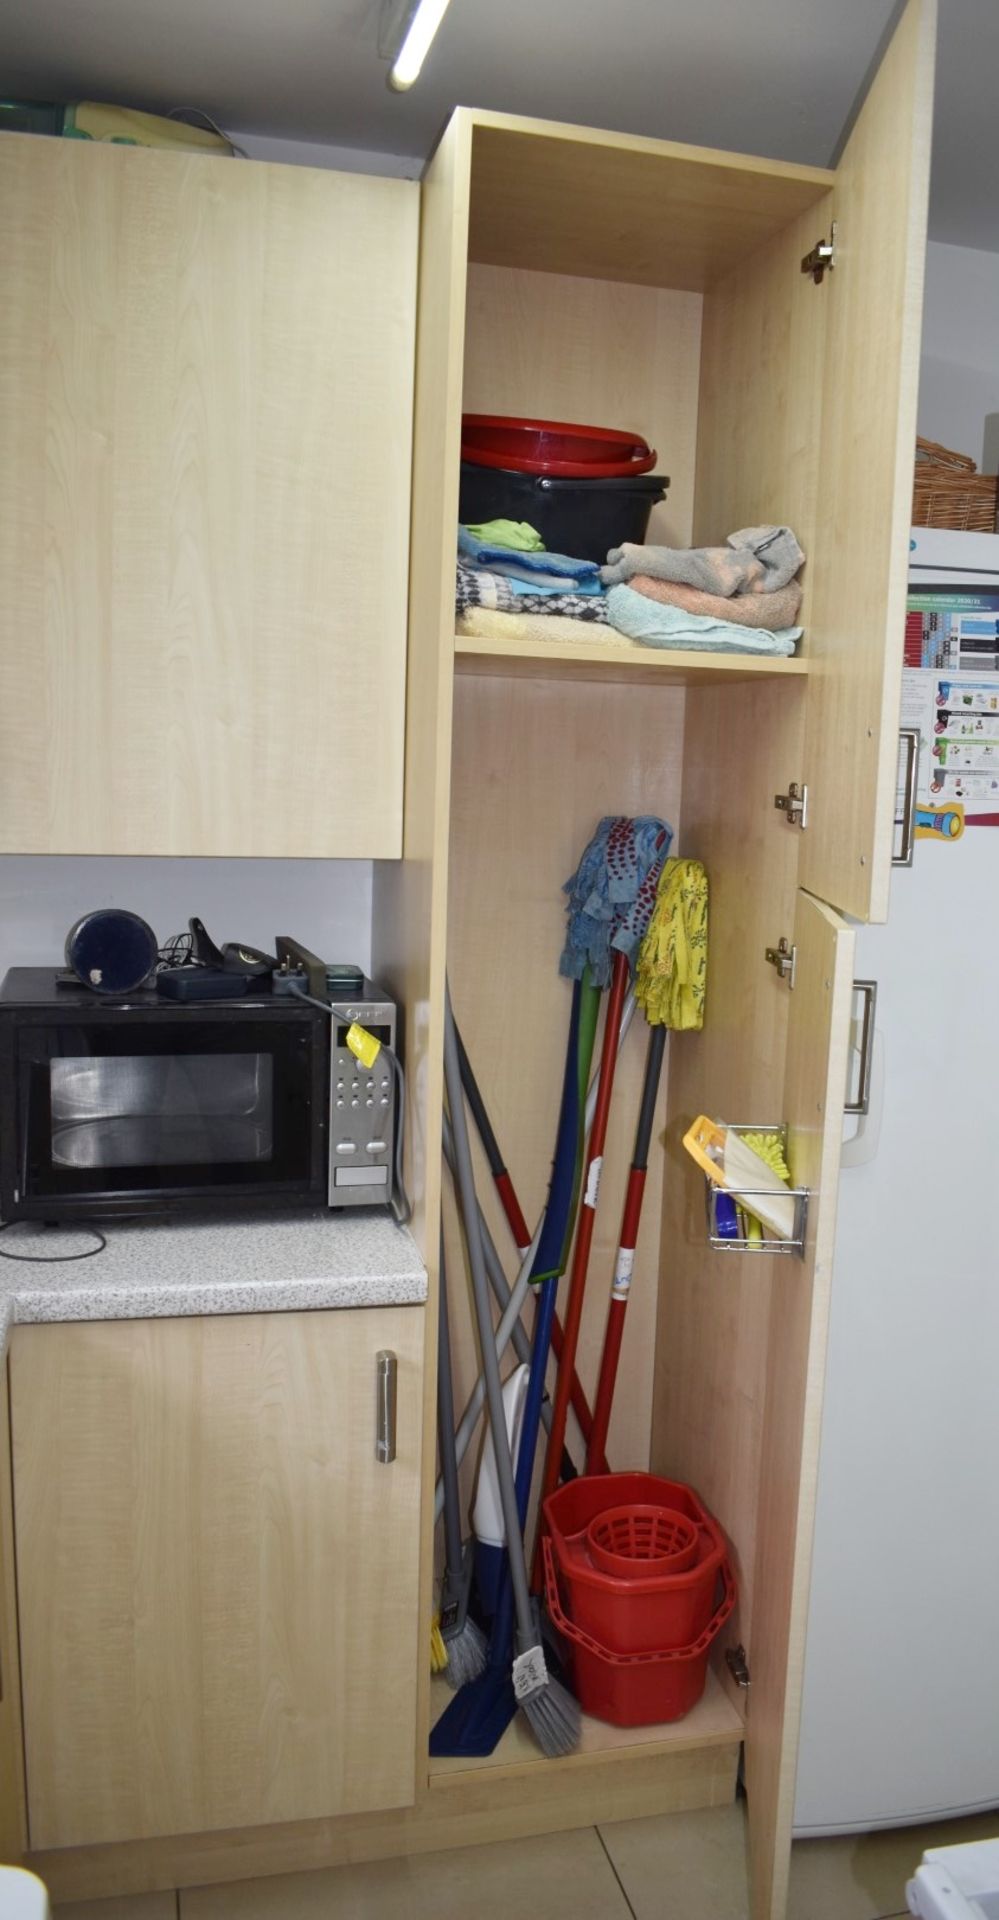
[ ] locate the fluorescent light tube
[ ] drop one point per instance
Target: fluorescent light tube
(420, 33)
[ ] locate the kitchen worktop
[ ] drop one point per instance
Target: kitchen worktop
(356, 1258)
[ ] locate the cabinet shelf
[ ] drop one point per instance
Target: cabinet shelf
(610, 660)
(714, 1722)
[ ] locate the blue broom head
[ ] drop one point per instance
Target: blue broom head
(612, 893)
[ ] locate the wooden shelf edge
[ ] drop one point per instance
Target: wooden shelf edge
(595, 660)
(714, 1722)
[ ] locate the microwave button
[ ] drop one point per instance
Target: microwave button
(385, 1084)
(385, 1099)
(339, 1099)
(355, 1101)
(375, 1146)
(346, 1146)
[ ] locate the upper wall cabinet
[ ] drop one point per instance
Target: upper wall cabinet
(206, 373)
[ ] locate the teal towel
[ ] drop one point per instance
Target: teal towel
(656, 625)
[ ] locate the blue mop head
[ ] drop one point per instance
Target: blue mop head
(612, 893)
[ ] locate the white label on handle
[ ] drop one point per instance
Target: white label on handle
(530, 1673)
(593, 1181)
(622, 1273)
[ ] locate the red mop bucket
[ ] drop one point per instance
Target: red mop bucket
(638, 1560)
(639, 1689)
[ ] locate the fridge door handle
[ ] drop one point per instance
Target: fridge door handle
(909, 736)
(862, 1144)
(868, 991)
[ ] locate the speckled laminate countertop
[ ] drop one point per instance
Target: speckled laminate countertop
(356, 1258)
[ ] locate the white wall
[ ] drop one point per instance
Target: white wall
(959, 377)
(324, 903)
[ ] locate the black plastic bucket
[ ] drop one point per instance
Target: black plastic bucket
(582, 518)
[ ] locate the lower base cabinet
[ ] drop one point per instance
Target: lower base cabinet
(217, 1578)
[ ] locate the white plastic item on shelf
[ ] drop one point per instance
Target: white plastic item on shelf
(957, 1883)
(22, 1895)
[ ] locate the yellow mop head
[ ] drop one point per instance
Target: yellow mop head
(671, 973)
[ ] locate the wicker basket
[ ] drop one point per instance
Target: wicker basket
(949, 492)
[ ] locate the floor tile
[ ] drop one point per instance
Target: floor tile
(561, 1876)
(683, 1866)
(867, 1872)
(134, 1906)
(692, 1866)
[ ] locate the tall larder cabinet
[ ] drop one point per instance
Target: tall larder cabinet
(582, 275)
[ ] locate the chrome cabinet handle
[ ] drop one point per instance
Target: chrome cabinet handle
(387, 1373)
(910, 739)
(869, 990)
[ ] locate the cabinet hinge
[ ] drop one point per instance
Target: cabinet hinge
(738, 1665)
(785, 959)
(822, 257)
(793, 803)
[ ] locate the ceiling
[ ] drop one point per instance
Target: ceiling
(776, 77)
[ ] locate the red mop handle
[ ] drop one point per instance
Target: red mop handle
(621, 1287)
(587, 1219)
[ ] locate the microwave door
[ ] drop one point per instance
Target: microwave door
(160, 1112)
(145, 1110)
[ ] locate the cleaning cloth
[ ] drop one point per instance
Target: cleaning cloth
(770, 610)
(671, 970)
(755, 560)
(658, 626)
(612, 893)
(517, 535)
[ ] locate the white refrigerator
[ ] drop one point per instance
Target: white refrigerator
(900, 1710)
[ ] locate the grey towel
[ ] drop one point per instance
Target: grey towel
(755, 560)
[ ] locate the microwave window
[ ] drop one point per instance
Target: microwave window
(162, 1110)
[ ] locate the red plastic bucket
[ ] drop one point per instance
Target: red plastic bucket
(642, 1607)
(635, 1690)
(554, 447)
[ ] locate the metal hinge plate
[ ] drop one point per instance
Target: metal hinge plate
(785, 958)
(795, 804)
(738, 1665)
(822, 258)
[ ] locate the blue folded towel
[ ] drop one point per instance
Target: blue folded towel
(525, 566)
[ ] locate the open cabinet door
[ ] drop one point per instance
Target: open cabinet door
(855, 610)
(815, 1081)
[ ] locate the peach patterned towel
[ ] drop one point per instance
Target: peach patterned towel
(779, 609)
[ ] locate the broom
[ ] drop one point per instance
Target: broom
(550, 1710)
(461, 1652)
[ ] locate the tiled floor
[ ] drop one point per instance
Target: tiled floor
(687, 1866)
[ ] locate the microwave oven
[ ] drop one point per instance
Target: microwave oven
(149, 1106)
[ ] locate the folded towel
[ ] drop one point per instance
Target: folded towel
(658, 626)
(773, 610)
(479, 587)
(484, 623)
(755, 560)
(518, 535)
(501, 560)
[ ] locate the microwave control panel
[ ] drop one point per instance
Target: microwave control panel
(362, 1109)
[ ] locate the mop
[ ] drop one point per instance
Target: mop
(522, 1285)
(611, 897)
(507, 1196)
(670, 978)
(551, 1712)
